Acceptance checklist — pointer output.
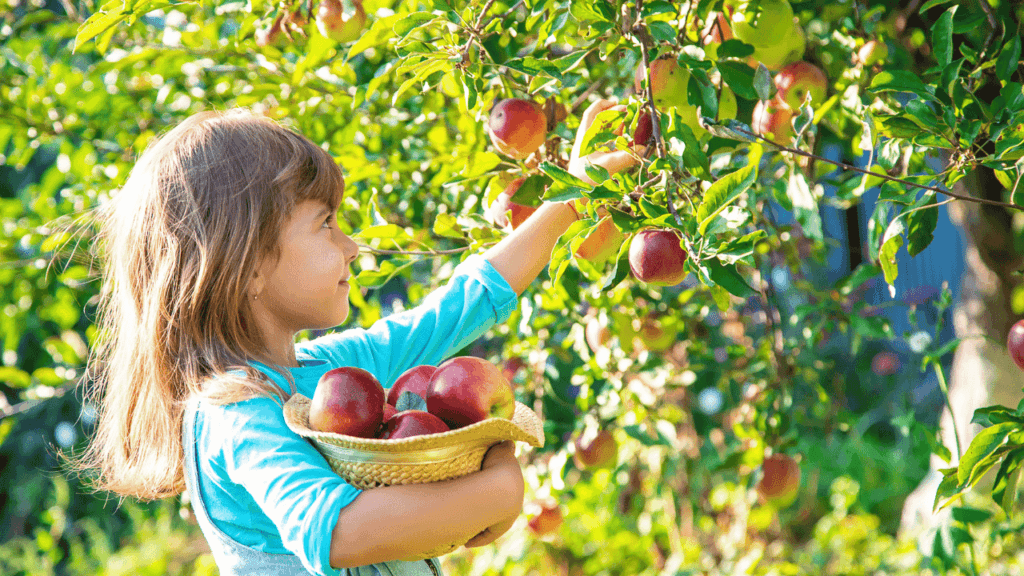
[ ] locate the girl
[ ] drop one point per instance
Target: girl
(223, 245)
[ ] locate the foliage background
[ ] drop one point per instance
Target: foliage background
(784, 368)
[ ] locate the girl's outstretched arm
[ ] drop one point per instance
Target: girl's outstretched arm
(401, 521)
(521, 255)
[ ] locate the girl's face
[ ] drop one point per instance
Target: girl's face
(306, 288)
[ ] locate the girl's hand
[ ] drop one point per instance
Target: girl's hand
(613, 162)
(501, 456)
(491, 534)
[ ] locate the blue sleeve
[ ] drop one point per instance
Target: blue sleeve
(287, 478)
(473, 300)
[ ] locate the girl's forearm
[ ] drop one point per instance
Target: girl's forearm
(395, 522)
(521, 256)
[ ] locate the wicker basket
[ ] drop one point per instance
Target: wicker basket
(371, 462)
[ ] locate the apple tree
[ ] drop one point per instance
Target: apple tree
(704, 390)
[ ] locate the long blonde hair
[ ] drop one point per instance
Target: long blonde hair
(179, 243)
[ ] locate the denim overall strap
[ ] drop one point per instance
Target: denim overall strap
(236, 559)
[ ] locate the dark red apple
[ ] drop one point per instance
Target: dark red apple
(389, 411)
(885, 364)
(517, 127)
(348, 401)
(466, 389)
(1015, 343)
(601, 451)
(656, 257)
(410, 423)
(773, 120)
(644, 129)
(780, 479)
(543, 517)
(798, 79)
(415, 380)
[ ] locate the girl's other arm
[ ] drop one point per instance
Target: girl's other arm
(521, 256)
(383, 524)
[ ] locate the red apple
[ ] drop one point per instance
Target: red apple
(644, 129)
(601, 451)
(543, 516)
(656, 257)
(505, 205)
(773, 121)
(668, 84)
(798, 79)
(465, 390)
(341, 20)
(872, 52)
(1015, 343)
(885, 364)
(517, 127)
(602, 243)
(410, 423)
(415, 380)
(389, 411)
(348, 401)
(780, 479)
(597, 333)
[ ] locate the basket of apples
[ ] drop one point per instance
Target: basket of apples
(435, 423)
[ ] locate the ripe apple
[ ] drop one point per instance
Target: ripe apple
(798, 79)
(885, 364)
(1015, 343)
(644, 129)
(780, 479)
(389, 411)
(601, 451)
(773, 120)
(415, 380)
(656, 257)
(465, 390)
(602, 243)
(668, 83)
(596, 332)
(873, 52)
(410, 423)
(517, 127)
(715, 32)
(543, 516)
(348, 401)
(339, 24)
(505, 203)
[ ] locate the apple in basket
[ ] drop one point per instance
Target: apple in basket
(410, 423)
(348, 401)
(415, 380)
(465, 390)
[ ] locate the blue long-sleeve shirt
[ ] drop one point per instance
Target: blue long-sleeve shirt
(268, 488)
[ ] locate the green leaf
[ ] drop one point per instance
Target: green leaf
(1004, 488)
(980, 456)
(722, 193)
(564, 186)
(380, 277)
(921, 223)
(738, 76)
(804, 205)
(901, 81)
(727, 277)
(379, 33)
(942, 37)
(892, 241)
(634, 431)
(409, 400)
(970, 515)
(1009, 59)
(15, 377)
(448, 226)
(763, 84)
(389, 231)
(101, 21)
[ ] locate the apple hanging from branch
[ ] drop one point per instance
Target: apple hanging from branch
(341, 20)
(656, 257)
(795, 81)
(517, 127)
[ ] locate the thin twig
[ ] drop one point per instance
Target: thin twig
(876, 174)
(371, 250)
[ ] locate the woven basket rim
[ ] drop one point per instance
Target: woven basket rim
(525, 426)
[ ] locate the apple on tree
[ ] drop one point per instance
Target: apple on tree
(599, 451)
(1015, 343)
(517, 127)
(543, 516)
(773, 120)
(795, 81)
(505, 210)
(341, 20)
(349, 401)
(465, 390)
(602, 243)
(656, 257)
(780, 479)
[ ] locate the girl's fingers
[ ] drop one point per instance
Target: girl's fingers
(613, 162)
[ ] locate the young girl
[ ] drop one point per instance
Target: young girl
(223, 245)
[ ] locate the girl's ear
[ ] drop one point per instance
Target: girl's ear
(257, 284)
